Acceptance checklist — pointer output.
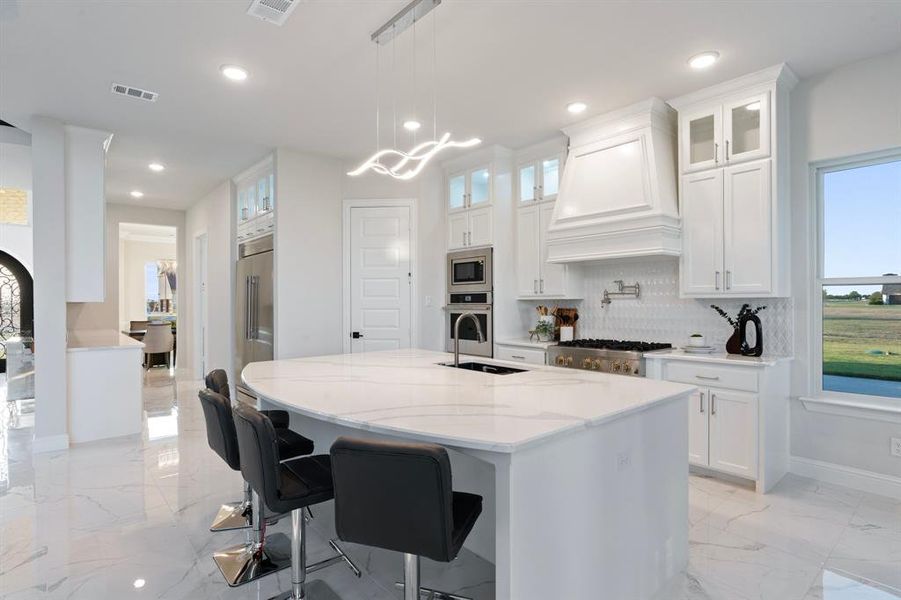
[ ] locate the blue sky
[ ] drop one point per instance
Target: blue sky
(862, 222)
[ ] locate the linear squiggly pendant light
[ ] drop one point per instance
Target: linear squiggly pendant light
(407, 165)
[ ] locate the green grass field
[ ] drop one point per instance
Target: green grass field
(852, 331)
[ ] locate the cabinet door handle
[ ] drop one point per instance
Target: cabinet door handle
(464, 238)
(727, 150)
(717, 282)
(728, 280)
(535, 285)
(517, 357)
(541, 285)
(534, 192)
(702, 403)
(712, 404)
(716, 153)
(708, 378)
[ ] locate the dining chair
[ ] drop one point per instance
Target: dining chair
(159, 340)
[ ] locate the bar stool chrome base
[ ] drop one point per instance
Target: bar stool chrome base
(246, 562)
(299, 567)
(231, 516)
(411, 583)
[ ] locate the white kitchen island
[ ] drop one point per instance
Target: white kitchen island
(584, 475)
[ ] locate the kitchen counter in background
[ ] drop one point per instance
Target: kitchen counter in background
(100, 339)
(721, 358)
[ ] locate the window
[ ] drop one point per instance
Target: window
(858, 282)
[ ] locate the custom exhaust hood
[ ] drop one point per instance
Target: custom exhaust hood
(618, 193)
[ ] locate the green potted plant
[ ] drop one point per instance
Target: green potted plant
(545, 330)
(696, 340)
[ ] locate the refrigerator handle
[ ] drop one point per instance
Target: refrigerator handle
(247, 307)
(255, 288)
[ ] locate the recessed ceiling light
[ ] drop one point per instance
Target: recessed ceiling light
(576, 107)
(139, 583)
(412, 125)
(137, 194)
(704, 59)
(156, 167)
(233, 72)
(753, 106)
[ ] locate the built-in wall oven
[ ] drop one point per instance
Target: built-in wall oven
(480, 305)
(469, 271)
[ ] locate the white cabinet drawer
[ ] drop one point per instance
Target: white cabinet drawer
(523, 355)
(713, 376)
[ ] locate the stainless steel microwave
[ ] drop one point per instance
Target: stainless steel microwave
(469, 271)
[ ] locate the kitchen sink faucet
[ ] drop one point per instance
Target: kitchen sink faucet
(457, 334)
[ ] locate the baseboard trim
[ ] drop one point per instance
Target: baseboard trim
(852, 477)
(50, 443)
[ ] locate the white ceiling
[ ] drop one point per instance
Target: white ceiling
(506, 70)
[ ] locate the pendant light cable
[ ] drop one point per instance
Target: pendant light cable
(434, 76)
(394, 83)
(413, 76)
(378, 96)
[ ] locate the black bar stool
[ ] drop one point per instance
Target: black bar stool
(238, 515)
(399, 496)
(290, 485)
(261, 555)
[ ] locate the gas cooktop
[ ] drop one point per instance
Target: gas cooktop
(624, 345)
(622, 357)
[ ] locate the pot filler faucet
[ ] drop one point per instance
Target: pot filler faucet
(457, 334)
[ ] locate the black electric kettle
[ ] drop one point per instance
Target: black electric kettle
(746, 348)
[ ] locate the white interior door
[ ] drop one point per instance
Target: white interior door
(380, 279)
(202, 311)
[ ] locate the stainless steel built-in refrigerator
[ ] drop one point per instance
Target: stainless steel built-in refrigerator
(254, 335)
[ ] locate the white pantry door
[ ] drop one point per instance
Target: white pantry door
(380, 278)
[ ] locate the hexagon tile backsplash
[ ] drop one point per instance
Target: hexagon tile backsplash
(659, 315)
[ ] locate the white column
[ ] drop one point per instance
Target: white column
(49, 200)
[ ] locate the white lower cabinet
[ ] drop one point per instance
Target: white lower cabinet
(525, 355)
(738, 417)
(698, 429)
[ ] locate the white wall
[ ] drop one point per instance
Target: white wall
(49, 188)
(852, 110)
(307, 255)
(428, 191)
(212, 215)
(15, 172)
(133, 257)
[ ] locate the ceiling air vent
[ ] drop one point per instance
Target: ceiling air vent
(273, 11)
(133, 92)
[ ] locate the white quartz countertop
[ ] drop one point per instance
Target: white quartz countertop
(406, 393)
(526, 343)
(100, 339)
(718, 358)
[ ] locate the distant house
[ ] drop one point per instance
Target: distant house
(891, 292)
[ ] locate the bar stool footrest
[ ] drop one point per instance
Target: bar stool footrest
(231, 516)
(240, 565)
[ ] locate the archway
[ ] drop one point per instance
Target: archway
(16, 303)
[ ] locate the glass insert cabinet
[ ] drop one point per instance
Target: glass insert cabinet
(725, 133)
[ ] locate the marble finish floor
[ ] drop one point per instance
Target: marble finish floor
(129, 518)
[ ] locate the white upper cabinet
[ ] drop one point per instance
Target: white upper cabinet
(479, 190)
(85, 156)
(539, 180)
(734, 190)
(700, 138)
(535, 276)
(702, 232)
(746, 127)
(456, 191)
(255, 200)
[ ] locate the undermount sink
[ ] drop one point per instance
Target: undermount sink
(485, 368)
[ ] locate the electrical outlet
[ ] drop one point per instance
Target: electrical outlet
(896, 447)
(428, 300)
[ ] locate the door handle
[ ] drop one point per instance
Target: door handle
(727, 150)
(712, 404)
(717, 281)
(356, 335)
(464, 238)
(728, 280)
(256, 307)
(716, 153)
(517, 357)
(541, 286)
(702, 403)
(708, 378)
(535, 285)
